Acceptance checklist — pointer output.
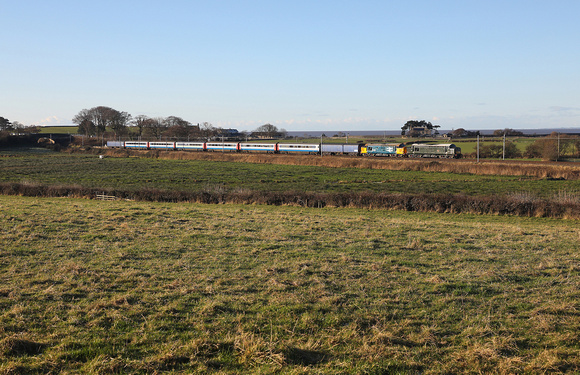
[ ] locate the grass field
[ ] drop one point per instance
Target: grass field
(126, 287)
(132, 173)
(58, 130)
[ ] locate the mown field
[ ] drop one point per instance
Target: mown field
(101, 287)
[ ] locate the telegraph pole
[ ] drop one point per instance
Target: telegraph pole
(478, 148)
(503, 153)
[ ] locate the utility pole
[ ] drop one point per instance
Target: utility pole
(478, 148)
(558, 158)
(503, 154)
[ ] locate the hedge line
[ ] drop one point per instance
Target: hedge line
(448, 203)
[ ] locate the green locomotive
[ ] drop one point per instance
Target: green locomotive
(419, 150)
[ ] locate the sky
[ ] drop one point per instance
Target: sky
(298, 64)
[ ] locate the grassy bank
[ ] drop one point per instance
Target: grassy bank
(128, 287)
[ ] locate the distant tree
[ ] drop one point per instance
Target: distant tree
(497, 151)
(87, 127)
(508, 132)
(26, 129)
(5, 125)
(177, 127)
(154, 128)
(267, 131)
(458, 133)
(568, 146)
(194, 131)
(462, 133)
(175, 121)
(18, 126)
(140, 122)
(84, 119)
(102, 117)
(533, 151)
(550, 150)
(207, 130)
(119, 122)
(545, 148)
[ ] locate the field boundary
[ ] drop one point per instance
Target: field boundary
(517, 205)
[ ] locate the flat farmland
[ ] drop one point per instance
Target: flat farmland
(92, 286)
(134, 174)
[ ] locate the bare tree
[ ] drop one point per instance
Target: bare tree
(207, 130)
(177, 127)
(155, 127)
(87, 127)
(119, 122)
(102, 117)
(85, 122)
(267, 131)
(140, 122)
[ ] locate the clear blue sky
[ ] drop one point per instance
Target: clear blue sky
(297, 64)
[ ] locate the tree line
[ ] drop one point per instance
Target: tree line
(97, 121)
(7, 126)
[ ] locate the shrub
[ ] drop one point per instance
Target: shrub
(546, 148)
(496, 151)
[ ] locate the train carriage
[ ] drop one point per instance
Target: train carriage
(162, 145)
(144, 145)
(190, 146)
(434, 151)
(302, 148)
(341, 148)
(222, 146)
(115, 144)
(259, 147)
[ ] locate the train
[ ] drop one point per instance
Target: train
(401, 150)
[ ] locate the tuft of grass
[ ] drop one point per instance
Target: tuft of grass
(16, 346)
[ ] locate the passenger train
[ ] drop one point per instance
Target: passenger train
(384, 149)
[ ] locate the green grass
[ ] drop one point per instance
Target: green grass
(196, 175)
(470, 146)
(124, 287)
(58, 130)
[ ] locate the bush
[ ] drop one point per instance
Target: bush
(545, 148)
(496, 151)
